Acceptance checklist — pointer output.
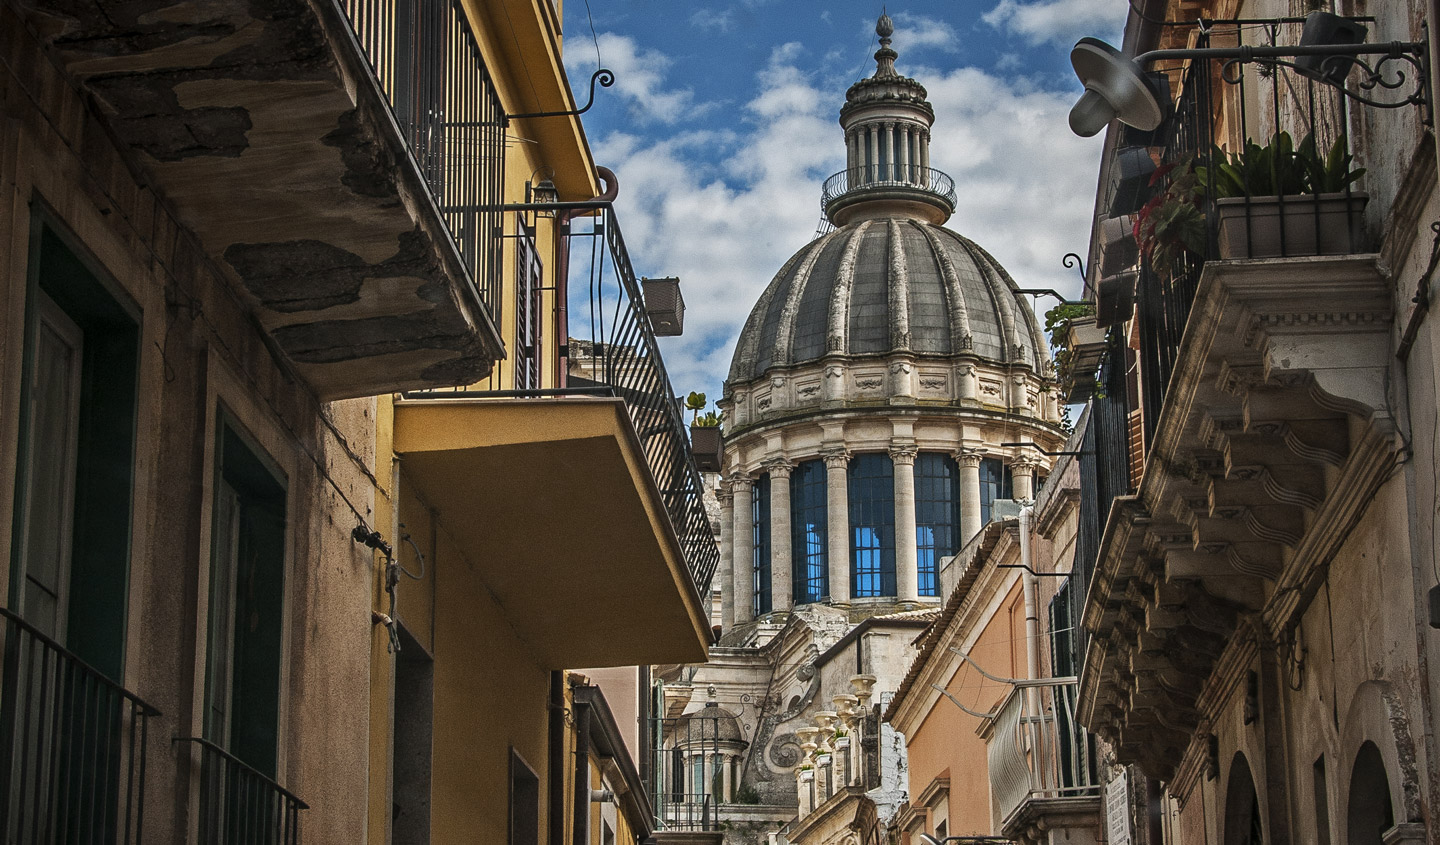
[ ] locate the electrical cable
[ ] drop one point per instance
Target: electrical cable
(418, 554)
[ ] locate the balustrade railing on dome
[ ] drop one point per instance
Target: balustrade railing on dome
(427, 61)
(887, 176)
(72, 746)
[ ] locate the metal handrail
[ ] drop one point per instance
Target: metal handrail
(72, 745)
(912, 177)
(146, 709)
(243, 766)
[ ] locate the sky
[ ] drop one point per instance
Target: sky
(722, 126)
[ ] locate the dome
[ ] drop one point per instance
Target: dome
(711, 723)
(884, 285)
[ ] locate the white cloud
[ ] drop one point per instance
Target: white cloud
(710, 19)
(1060, 22)
(917, 32)
(639, 78)
(724, 210)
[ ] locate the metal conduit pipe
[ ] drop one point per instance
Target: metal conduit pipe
(555, 833)
(1032, 612)
(562, 268)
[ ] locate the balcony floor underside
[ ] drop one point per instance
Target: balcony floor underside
(259, 125)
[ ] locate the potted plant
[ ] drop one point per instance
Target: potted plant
(807, 773)
(1079, 344)
(1171, 225)
(1283, 200)
(706, 441)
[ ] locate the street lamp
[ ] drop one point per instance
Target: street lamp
(1119, 88)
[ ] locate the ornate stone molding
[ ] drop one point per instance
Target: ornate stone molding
(836, 458)
(903, 453)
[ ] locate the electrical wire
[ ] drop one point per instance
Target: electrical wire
(593, 37)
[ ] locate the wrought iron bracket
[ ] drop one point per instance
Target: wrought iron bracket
(1413, 53)
(604, 76)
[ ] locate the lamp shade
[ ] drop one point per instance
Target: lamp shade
(1115, 87)
(1322, 29)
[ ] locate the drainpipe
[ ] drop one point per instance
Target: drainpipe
(1032, 613)
(556, 832)
(582, 774)
(562, 271)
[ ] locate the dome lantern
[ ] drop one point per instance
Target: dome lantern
(887, 119)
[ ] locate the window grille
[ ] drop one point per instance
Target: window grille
(760, 513)
(872, 525)
(809, 532)
(937, 516)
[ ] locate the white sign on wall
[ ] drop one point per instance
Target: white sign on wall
(1117, 809)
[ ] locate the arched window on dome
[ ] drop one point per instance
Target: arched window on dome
(937, 516)
(808, 532)
(995, 483)
(760, 522)
(872, 525)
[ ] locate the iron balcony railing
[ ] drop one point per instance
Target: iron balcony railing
(882, 177)
(623, 353)
(1222, 106)
(240, 805)
(687, 774)
(72, 746)
(619, 355)
(1037, 749)
(426, 59)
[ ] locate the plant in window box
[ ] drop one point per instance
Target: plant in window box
(706, 441)
(1078, 343)
(807, 773)
(842, 740)
(1284, 200)
(1171, 225)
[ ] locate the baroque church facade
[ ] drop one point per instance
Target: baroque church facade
(889, 395)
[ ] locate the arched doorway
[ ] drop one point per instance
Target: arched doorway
(1368, 813)
(1242, 806)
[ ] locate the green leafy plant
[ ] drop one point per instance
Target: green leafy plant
(709, 419)
(747, 795)
(1333, 172)
(1280, 168)
(1171, 223)
(695, 403)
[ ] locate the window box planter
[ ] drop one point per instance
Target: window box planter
(707, 444)
(1327, 224)
(1085, 346)
(1118, 249)
(664, 305)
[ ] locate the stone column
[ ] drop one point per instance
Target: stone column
(969, 461)
(782, 591)
(837, 517)
(727, 556)
(743, 542)
(907, 567)
(728, 778)
(874, 154)
(903, 130)
(925, 149)
(1022, 474)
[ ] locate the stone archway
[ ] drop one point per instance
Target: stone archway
(1368, 810)
(1242, 805)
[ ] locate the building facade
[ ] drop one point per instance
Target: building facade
(261, 582)
(1257, 639)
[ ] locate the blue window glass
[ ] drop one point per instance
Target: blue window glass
(808, 537)
(760, 519)
(937, 516)
(872, 526)
(995, 483)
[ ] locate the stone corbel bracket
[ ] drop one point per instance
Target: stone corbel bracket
(1275, 434)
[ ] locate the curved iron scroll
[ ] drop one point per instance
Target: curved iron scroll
(604, 76)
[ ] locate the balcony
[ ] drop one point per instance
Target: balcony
(72, 743)
(589, 489)
(335, 165)
(239, 805)
(888, 187)
(1043, 770)
(1266, 431)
